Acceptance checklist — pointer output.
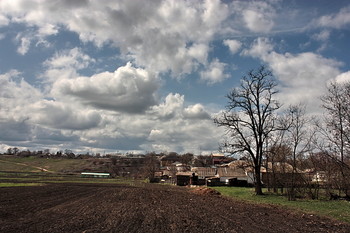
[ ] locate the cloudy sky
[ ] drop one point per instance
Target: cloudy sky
(136, 75)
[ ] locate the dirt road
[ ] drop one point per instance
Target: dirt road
(152, 208)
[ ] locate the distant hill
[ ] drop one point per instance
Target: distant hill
(52, 165)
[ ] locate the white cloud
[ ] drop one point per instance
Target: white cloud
(184, 135)
(14, 132)
(261, 47)
(233, 45)
(65, 65)
(60, 115)
(259, 17)
(322, 36)
(215, 72)
(171, 107)
(343, 77)
(4, 21)
(74, 58)
(128, 89)
(338, 20)
(15, 96)
(302, 76)
(196, 111)
(62, 123)
(25, 41)
(160, 35)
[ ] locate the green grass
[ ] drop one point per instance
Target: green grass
(43, 177)
(19, 184)
(28, 170)
(334, 209)
(33, 164)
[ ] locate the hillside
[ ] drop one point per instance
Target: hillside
(51, 165)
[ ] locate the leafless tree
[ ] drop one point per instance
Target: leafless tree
(250, 118)
(300, 135)
(337, 118)
(336, 130)
(151, 165)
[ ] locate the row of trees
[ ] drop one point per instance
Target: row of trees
(256, 127)
(43, 153)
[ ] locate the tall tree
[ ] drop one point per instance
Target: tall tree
(250, 118)
(300, 135)
(336, 102)
(337, 118)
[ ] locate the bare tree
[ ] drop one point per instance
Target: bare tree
(300, 135)
(249, 118)
(151, 165)
(337, 118)
(336, 102)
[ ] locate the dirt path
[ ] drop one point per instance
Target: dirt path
(153, 208)
(27, 165)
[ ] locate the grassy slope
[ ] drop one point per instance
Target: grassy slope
(19, 184)
(335, 209)
(15, 171)
(33, 164)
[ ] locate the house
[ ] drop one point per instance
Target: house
(204, 173)
(180, 167)
(233, 176)
(186, 178)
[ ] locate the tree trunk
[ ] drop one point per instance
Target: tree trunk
(258, 184)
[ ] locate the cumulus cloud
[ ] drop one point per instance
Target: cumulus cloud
(196, 111)
(65, 64)
(82, 108)
(259, 17)
(233, 45)
(180, 128)
(62, 116)
(25, 42)
(15, 96)
(170, 108)
(184, 135)
(73, 58)
(343, 77)
(160, 35)
(13, 131)
(215, 72)
(322, 36)
(128, 89)
(3, 20)
(302, 76)
(60, 122)
(337, 20)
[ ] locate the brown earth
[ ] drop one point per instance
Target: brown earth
(145, 208)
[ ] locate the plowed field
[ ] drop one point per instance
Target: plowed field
(147, 208)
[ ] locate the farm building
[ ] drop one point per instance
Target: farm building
(186, 178)
(204, 173)
(95, 175)
(233, 176)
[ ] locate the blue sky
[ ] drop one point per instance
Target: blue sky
(108, 76)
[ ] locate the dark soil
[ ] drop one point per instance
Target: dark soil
(148, 208)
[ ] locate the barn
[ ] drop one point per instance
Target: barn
(186, 178)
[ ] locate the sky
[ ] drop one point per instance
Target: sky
(140, 76)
